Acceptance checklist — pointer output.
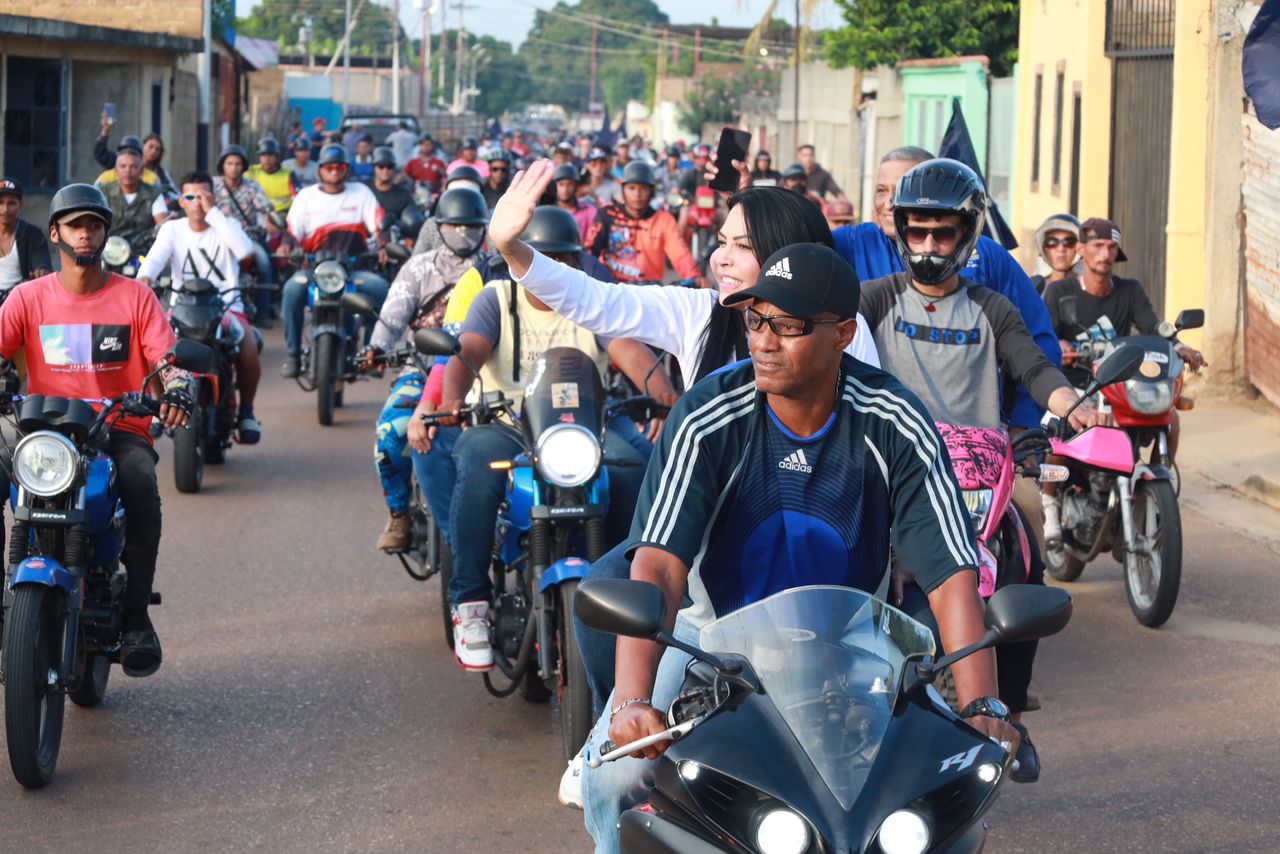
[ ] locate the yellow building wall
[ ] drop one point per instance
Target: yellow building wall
(1069, 34)
(175, 17)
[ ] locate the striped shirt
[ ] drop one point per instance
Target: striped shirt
(753, 509)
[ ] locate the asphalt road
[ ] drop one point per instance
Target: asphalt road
(308, 703)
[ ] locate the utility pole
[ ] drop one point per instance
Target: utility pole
(206, 95)
(395, 56)
(424, 73)
(593, 66)
(444, 27)
(346, 63)
(795, 87)
(458, 58)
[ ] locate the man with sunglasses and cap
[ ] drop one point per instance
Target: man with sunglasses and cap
(802, 466)
(24, 250)
(392, 193)
(500, 163)
(1058, 242)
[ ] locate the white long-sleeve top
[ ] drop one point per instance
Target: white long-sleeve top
(212, 254)
(669, 318)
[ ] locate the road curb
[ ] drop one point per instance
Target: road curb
(1254, 488)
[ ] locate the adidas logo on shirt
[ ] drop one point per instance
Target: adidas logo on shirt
(781, 270)
(795, 461)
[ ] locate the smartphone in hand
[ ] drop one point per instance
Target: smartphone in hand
(734, 143)
(109, 111)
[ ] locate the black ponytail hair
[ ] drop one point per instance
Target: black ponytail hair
(775, 218)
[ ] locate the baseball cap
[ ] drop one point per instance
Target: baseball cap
(804, 280)
(1097, 228)
(10, 187)
(597, 154)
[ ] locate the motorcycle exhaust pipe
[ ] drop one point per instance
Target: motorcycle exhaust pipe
(524, 657)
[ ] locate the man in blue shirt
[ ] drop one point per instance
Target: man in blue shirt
(802, 466)
(871, 249)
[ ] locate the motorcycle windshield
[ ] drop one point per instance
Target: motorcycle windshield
(830, 658)
(564, 388)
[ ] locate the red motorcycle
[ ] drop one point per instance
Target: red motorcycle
(702, 225)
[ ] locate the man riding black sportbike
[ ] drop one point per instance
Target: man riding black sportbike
(90, 334)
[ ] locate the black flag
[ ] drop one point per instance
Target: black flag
(1262, 64)
(957, 145)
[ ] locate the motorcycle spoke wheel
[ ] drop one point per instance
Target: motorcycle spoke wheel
(1153, 569)
(33, 707)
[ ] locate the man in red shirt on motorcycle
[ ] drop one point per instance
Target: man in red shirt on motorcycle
(90, 334)
(633, 240)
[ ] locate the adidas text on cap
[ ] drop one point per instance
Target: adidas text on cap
(805, 280)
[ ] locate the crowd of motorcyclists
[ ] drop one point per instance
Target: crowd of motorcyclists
(799, 368)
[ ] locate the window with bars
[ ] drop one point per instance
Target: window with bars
(1035, 129)
(1140, 27)
(1058, 95)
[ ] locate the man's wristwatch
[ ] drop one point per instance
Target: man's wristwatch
(991, 707)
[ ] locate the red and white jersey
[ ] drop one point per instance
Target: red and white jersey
(317, 216)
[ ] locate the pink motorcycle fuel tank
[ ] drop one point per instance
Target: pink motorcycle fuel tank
(982, 459)
(1101, 447)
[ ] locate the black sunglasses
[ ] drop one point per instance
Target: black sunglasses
(784, 325)
(941, 234)
(1052, 242)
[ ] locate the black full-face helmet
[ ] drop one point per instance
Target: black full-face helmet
(935, 188)
(553, 229)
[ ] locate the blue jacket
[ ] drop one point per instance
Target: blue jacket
(873, 255)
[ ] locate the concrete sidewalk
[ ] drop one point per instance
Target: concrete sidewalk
(1233, 442)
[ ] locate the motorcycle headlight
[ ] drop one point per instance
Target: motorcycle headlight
(1149, 398)
(45, 464)
(330, 277)
(116, 252)
(904, 832)
(979, 503)
(782, 832)
(568, 455)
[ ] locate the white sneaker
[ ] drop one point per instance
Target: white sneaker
(471, 636)
(570, 794)
(1052, 520)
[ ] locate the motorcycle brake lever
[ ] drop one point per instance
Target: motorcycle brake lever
(609, 753)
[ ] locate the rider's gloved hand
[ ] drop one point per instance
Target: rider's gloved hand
(176, 403)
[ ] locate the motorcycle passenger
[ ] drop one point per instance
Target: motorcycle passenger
(633, 240)
(275, 180)
(301, 166)
(948, 340)
(243, 200)
(24, 251)
(429, 234)
(207, 244)
(417, 300)
(763, 174)
(871, 249)
(1058, 242)
(427, 168)
(107, 158)
(738, 507)
(136, 208)
(337, 215)
(41, 318)
(393, 195)
(499, 176)
(505, 332)
(565, 182)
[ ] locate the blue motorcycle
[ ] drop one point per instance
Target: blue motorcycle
(64, 601)
(551, 524)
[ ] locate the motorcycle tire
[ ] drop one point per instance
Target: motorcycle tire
(33, 712)
(575, 694)
(92, 689)
(188, 453)
(446, 607)
(1152, 589)
(325, 359)
(1062, 564)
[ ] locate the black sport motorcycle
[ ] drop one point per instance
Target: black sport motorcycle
(807, 722)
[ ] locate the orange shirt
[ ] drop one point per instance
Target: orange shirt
(89, 347)
(635, 249)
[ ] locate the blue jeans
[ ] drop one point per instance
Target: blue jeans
(391, 448)
(615, 787)
(627, 429)
(266, 276)
(460, 488)
(294, 306)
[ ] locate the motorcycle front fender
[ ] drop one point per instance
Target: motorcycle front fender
(1151, 471)
(565, 569)
(325, 329)
(654, 834)
(43, 571)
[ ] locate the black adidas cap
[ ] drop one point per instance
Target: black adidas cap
(805, 280)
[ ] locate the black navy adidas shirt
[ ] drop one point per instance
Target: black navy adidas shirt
(753, 509)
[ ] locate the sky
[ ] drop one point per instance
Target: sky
(509, 20)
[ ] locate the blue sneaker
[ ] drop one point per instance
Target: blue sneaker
(248, 430)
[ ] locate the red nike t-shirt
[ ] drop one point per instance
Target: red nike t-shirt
(95, 346)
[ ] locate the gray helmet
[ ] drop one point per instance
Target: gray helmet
(553, 229)
(462, 206)
(130, 143)
(937, 187)
(233, 151)
(79, 198)
(384, 156)
(332, 153)
(565, 172)
(637, 172)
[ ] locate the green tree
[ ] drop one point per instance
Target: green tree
(280, 20)
(721, 100)
(885, 32)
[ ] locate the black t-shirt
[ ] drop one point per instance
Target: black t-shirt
(1127, 307)
(394, 200)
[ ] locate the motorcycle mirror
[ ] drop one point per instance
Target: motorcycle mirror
(397, 251)
(436, 342)
(357, 305)
(1023, 612)
(620, 606)
(192, 356)
(1189, 318)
